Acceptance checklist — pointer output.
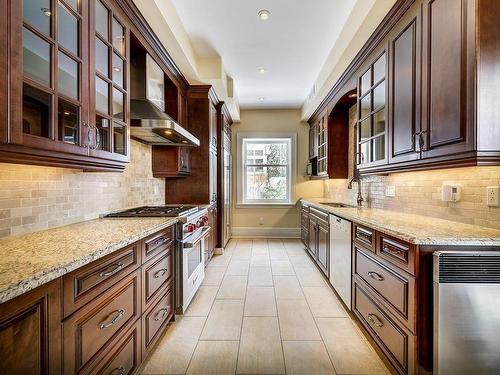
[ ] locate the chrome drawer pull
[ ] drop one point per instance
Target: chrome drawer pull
(117, 269)
(160, 241)
(115, 320)
(160, 273)
(374, 319)
(393, 251)
(375, 276)
(162, 313)
(120, 371)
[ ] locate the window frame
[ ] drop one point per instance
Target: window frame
(291, 139)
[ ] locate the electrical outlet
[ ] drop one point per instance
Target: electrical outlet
(493, 196)
(390, 191)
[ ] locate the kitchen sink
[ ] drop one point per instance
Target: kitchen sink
(338, 205)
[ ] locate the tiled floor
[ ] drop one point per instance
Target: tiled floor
(264, 308)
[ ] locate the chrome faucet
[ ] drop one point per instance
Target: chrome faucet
(357, 178)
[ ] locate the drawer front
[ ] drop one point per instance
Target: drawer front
(395, 289)
(156, 319)
(399, 253)
(320, 216)
(397, 343)
(124, 357)
(92, 327)
(364, 236)
(304, 219)
(156, 274)
(158, 242)
(85, 284)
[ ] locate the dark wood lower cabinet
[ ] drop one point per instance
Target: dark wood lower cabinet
(318, 238)
(30, 333)
(115, 309)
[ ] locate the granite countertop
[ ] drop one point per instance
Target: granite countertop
(416, 229)
(30, 260)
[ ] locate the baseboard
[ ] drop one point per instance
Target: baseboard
(265, 232)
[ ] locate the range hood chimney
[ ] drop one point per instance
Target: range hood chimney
(149, 122)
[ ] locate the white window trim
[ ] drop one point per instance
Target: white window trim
(240, 175)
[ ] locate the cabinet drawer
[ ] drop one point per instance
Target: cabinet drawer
(158, 242)
(85, 284)
(304, 219)
(155, 320)
(320, 216)
(397, 290)
(91, 328)
(397, 343)
(157, 274)
(399, 253)
(364, 236)
(124, 357)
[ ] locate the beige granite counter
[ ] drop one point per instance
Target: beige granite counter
(30, 260)
(416, 229)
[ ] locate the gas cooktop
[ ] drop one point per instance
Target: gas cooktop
(157, 211)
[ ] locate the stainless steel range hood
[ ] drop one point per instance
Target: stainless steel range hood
(149, 123)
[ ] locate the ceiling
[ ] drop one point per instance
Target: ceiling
(292, 45)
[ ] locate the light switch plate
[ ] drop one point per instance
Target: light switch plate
(390, 191)
(493, 196)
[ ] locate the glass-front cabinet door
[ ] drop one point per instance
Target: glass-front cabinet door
(371, 125)
(109, 99)
(51, 100)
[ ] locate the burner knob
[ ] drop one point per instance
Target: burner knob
(190, 228)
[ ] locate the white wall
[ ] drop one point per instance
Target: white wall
(276, 221)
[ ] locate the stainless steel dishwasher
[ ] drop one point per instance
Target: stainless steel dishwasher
(466, 313)
(340, 257)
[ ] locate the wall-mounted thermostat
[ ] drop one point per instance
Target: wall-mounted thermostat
(451, 193)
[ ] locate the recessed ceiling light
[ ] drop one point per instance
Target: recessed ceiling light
(46, 12)
(262, 99)
(264, 14)
(262, 70)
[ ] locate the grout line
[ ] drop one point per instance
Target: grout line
(278, 316)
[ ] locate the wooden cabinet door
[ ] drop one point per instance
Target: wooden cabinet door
(30, 332)
(313, 238)
(213, 126)
(313, 141)
(448, 76)
(226, 180)
(109, 101)
(213, 176)
(404, 88)
(323, 241)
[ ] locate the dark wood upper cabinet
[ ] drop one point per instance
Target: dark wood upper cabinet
(170, 161)
(448, 77)
(404, 88)
(224, 175)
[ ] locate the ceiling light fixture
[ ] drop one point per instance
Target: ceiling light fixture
(262, 70)
(264, 14)
(262, 99)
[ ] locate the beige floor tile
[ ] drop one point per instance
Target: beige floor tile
(213, 276)
(278, 254)
(260, 260)
(260, 347)
(301, 260)
(350, 354)
(233, 287)
(296, 320)
(242, 254)
(260, 301)
(202, 301)
(220, 260)
(282, 268)
(174, 351)
(224, 321)
(323, 302)
(275, 243)
(260, 244)
(307, 357)
(244, 243)
(260, 251)
(287, 287)
(214, 358)
(309, 276)
(260, 276)
(238, 267)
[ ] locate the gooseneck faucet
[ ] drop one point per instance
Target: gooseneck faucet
(356, 177)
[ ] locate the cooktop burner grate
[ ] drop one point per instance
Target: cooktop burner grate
(156, 211)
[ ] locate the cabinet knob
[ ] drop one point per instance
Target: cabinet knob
(375, 320)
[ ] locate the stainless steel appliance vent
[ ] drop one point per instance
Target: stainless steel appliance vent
(469, 268)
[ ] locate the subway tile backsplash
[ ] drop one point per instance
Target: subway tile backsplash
(35, 198)
(420, 193)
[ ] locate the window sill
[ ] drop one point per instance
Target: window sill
(264, 205)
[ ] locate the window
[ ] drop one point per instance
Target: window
(266, 169)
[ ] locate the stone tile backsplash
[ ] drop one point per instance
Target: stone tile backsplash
(34, 198)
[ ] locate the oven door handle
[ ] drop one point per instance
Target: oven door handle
(189, 243)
